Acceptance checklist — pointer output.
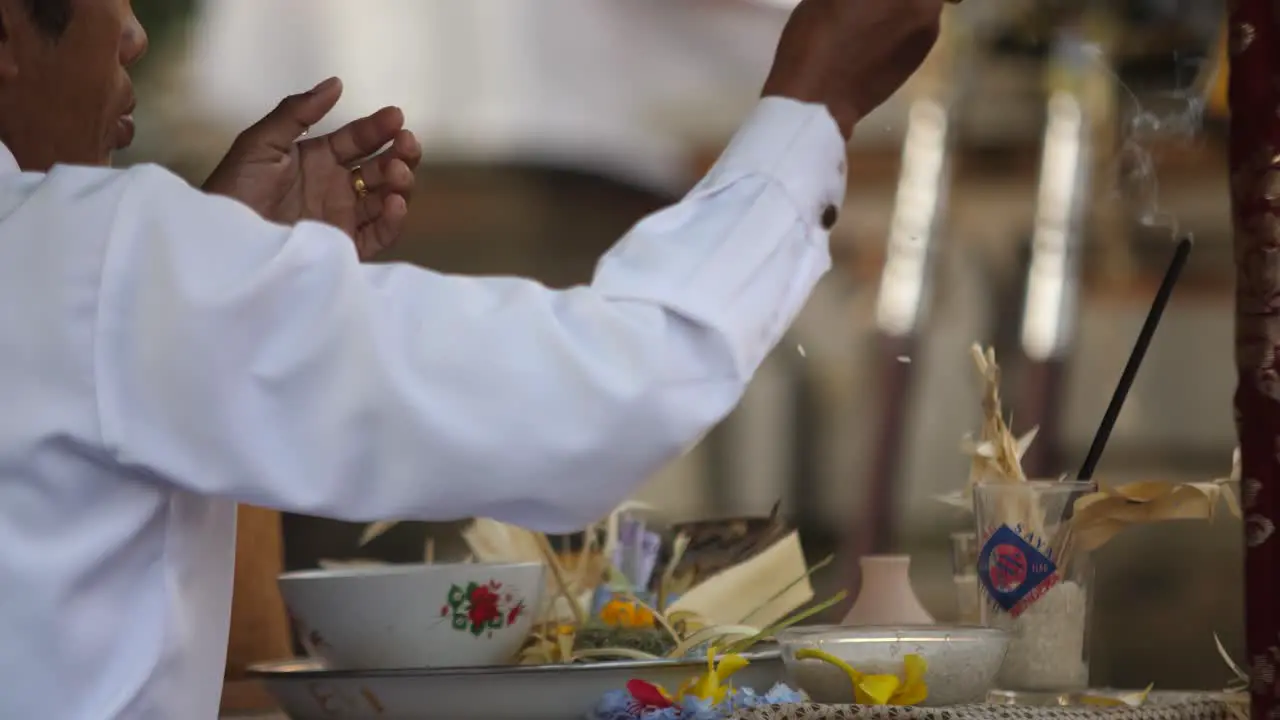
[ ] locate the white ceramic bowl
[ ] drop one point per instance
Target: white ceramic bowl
(414, 616)
(962, 661)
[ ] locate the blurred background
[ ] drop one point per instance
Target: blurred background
(1023, 192)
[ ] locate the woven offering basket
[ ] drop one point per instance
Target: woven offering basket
(1210, 708)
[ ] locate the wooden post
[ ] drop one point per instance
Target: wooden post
(259, 624)
(1255, 195)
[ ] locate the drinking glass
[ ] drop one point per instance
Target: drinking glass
(1035, 584)
(964, 568)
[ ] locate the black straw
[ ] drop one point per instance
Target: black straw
(1135, 359)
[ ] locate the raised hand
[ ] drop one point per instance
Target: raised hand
(336, 178)
(851, 55)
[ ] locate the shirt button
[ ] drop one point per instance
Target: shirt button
(829, 217)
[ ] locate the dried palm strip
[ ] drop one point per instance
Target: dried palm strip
(997, 453)
(376, 530)
(557, 573)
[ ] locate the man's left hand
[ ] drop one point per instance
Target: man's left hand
(287, 180)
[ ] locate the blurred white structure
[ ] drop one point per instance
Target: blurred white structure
(618, 87)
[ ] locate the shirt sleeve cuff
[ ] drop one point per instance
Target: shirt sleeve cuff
(796, 144)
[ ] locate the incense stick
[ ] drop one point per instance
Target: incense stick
(1135, 359)
(1063, 543)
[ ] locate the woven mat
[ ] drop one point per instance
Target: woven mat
(1208, 709)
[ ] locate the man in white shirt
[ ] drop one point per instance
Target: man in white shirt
(165, 353)
(536, 158)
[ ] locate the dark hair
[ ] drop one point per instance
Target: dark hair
(51, 16)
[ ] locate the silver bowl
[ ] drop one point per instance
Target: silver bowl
(962, 661)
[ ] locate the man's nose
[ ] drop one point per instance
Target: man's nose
(134, 43)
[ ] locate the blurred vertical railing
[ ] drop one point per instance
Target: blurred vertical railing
(1078, 81)
(916, 228)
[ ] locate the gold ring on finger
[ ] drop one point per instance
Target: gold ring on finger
(357, 182)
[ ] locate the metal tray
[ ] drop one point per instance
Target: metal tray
(305, 690)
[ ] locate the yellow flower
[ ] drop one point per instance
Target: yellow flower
(643, 618)
(616, 613)
(627, 614)
(909, 689)
(712, 684)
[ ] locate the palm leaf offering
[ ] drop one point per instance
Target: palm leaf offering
(720, 608)
(996, 454)
(1095, 517)
(715, 545)
(1101, 515)
(631, 592)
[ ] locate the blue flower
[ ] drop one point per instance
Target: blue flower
(616, 705)
(620, 705)
(781, 694)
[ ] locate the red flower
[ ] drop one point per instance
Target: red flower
(514, 613)
(444, 610)
(648, 695)
(484, 606)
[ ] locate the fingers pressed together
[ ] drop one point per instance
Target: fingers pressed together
(386, 154)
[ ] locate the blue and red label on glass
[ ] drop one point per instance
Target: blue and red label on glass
(1015, 570)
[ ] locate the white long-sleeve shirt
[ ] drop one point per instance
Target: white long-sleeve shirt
(165, 354)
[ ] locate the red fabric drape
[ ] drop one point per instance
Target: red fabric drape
(1254, 94)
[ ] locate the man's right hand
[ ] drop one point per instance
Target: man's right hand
(851, 55)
